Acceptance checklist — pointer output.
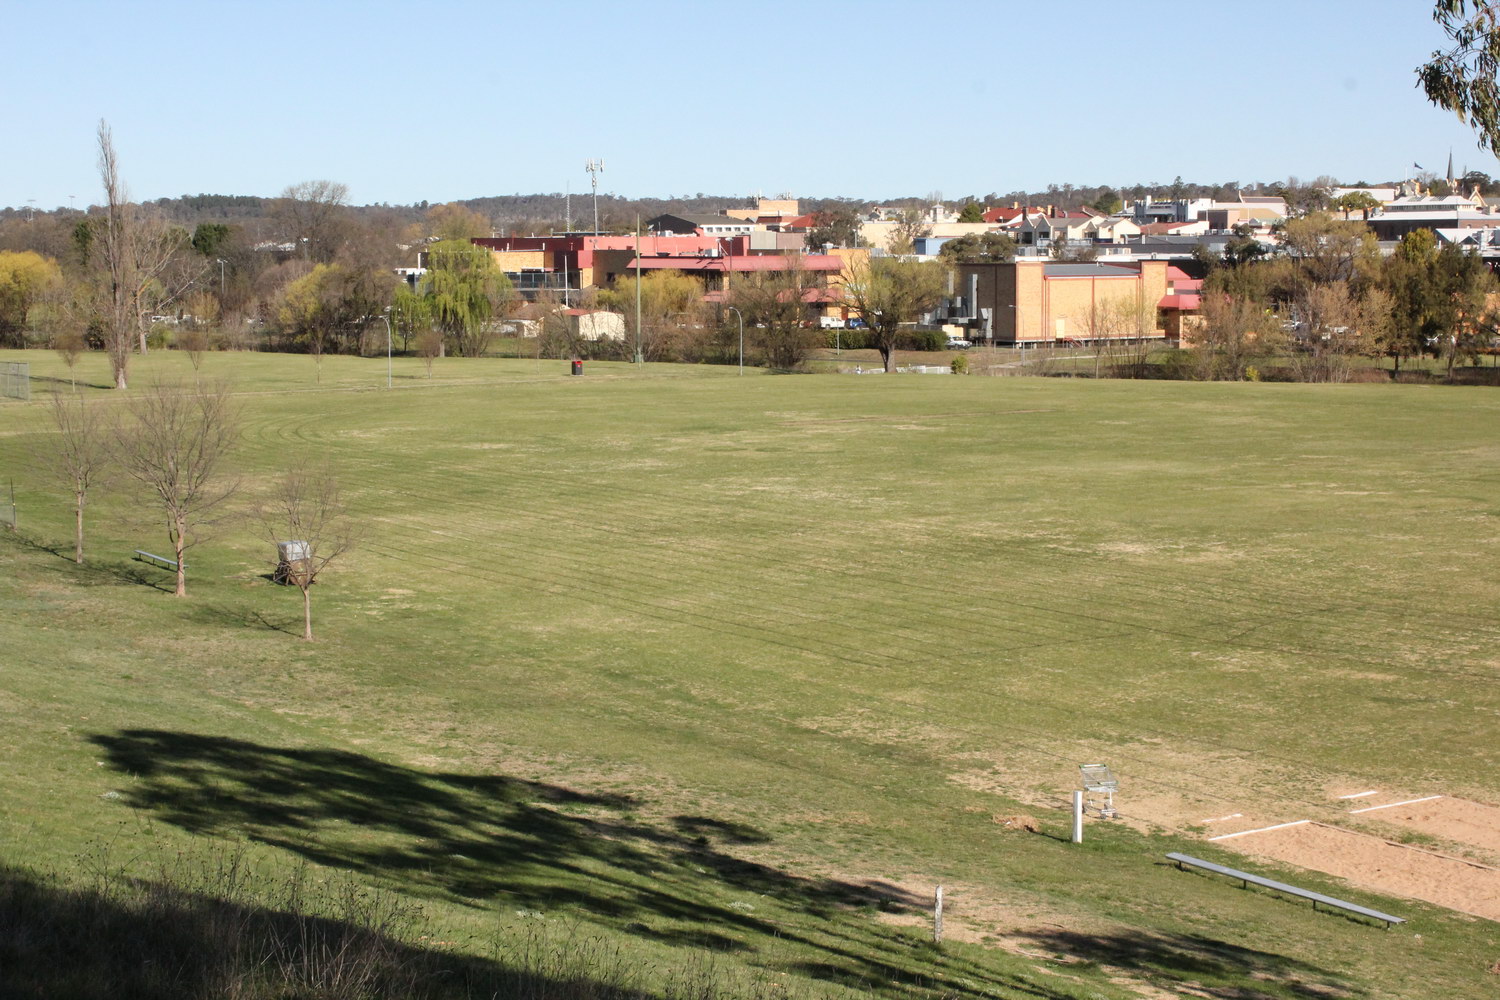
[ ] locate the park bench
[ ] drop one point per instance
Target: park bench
(161, 561)
(1317, 897)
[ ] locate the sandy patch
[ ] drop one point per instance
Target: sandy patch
(1460, 820)
(1380, 865)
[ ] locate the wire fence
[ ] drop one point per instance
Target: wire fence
(15, 380)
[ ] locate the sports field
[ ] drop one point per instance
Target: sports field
(752, 663)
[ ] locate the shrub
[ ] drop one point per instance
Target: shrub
(960, 365)
(849, 340)
(924, 340)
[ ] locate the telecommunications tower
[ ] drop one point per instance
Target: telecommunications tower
(595, 168)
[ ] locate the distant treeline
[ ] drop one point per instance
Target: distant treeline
(522, 214)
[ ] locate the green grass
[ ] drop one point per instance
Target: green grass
(689, 661)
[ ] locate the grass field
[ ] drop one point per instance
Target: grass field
(685, 661)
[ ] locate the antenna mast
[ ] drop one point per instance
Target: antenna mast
(595, 168)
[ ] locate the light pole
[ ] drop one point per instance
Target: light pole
(639, 358)
(221, 276)
(386, 315)
(741, 317)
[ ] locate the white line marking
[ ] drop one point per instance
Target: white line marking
(1246, 833)
(1361, 795)
(1220, 819)
(1392, 805)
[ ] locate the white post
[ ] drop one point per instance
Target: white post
(1077, 817)
(937, 916)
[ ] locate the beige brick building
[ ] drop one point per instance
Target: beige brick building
(1045, 301)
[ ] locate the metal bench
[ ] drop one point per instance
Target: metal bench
(161, 561)
(1317, 897)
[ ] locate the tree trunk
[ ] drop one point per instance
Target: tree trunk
(119, 376)
(78, 537)
(178, 543)
(888, 358)
(307, 612)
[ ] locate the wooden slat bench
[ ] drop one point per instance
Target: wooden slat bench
(1291, 890)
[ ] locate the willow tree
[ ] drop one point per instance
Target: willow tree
(465, 292)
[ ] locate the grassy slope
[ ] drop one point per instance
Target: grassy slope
(684, 655)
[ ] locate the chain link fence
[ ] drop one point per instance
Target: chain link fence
(15, 380)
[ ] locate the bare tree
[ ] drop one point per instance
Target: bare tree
(1122, 331)
(911, 225)
(147, 263)
(79, 456)
(1339, 325)
(314, 215)
(306, 506)
(775, 309)
(165, 269)
(1234, 333)
(69, 345)
(429, 346)
(175, 442)
(115, 238)
(193, 334)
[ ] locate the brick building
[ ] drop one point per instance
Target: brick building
(1043, 301)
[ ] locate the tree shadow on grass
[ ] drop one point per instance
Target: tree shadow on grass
(1215, 968)
(507, 843)
(95, 571)
(227, 616)
(129, 939)
(460, 836)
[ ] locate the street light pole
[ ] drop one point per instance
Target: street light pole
(386, 317)
(741, 317)
(638, 358)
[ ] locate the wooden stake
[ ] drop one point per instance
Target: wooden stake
(937, 916)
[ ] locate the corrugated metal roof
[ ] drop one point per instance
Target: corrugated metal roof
(1089, 271)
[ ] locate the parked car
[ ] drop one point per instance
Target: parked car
(958, 344)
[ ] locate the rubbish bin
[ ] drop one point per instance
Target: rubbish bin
(577, 367)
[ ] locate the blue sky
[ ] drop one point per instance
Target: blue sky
(446, 99)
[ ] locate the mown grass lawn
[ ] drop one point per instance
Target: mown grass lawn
(691, 660)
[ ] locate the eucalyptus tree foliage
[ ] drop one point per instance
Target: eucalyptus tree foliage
(1462, 79)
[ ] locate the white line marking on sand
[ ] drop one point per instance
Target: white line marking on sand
(1361, 795)
(1246, 833)
(1392, 805)
(1223, 818)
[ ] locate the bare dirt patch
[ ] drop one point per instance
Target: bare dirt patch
(1030, 824)
(1463, 821)
(1381, 865)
